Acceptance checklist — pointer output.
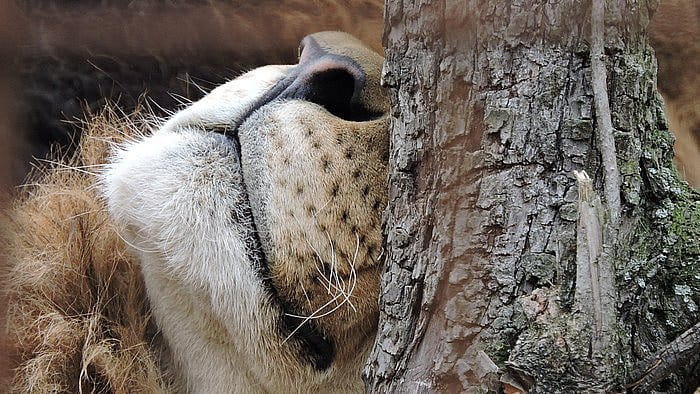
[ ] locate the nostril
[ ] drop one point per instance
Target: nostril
(334, 90)
(334, 85)
(332, 80)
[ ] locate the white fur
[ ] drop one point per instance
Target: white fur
(229, 101)
(173, 195)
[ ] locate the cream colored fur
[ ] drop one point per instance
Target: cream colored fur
(176, 196)
(135, 266)
(78, 316)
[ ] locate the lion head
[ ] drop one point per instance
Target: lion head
(255, 216)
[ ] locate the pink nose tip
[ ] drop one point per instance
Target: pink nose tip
(330, 79)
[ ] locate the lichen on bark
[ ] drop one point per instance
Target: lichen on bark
(492, 114)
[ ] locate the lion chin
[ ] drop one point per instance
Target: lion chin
(235, 248)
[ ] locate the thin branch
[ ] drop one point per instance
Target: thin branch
(595, 287)
(602, 110)
(669, 359)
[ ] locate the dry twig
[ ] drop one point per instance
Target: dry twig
(602, 111)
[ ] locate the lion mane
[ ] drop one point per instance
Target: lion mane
(77, 313)
(77, 309)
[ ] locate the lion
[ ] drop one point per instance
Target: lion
(273, 183)
(235, 247)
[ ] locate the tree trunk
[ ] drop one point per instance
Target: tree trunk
(503, 273)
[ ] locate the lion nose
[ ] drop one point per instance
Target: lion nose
(338, 72)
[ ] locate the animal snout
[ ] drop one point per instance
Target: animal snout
(339, 73)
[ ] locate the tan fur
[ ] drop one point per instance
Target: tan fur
(78, 314)
(77, 309)
(80, 276)
(316, 183)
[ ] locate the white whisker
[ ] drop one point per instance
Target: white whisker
(306, 319)
(68, 167)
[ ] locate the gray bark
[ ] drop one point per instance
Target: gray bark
(672, 356)
(483, 290)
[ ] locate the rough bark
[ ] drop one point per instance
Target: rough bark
(672, 356)
(493, 112)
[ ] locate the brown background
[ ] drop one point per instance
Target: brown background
(62, 59)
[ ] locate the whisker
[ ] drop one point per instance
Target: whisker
(333, 258)
(67, 167)
(353, 272)
(306, 319)
(318, 256)
(308, 301)
(334, 267)
(322, 206)
(116, 231)
(334, 281)
(165, 111)
(85, 213)
(190, 81)
(181, 100)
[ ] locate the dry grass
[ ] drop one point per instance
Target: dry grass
(77, 318)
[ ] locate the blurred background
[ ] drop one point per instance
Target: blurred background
(63, 59)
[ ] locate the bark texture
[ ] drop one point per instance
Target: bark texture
(483, 290)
